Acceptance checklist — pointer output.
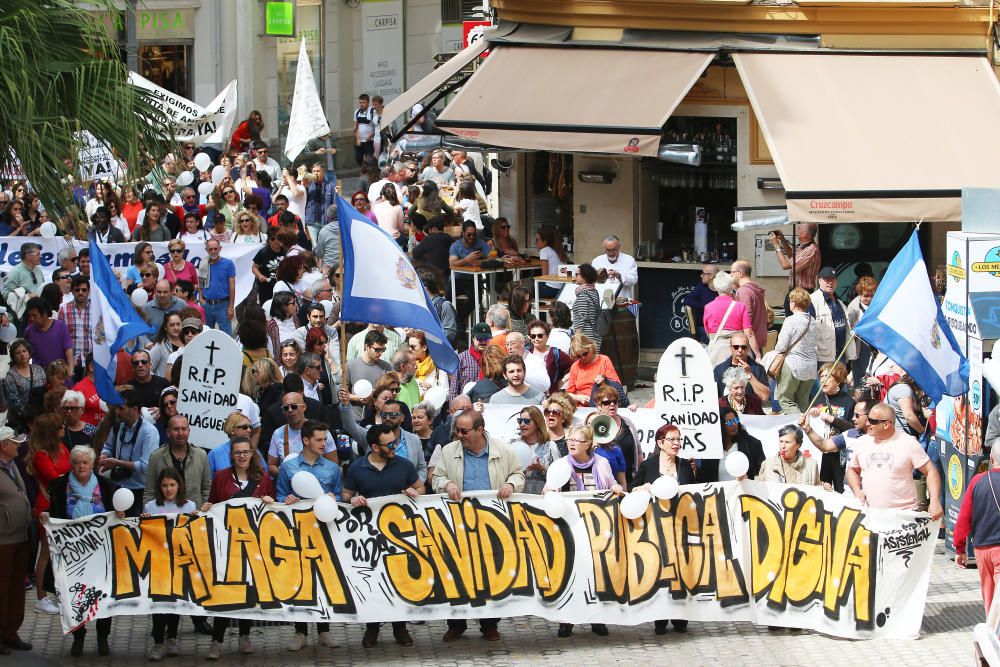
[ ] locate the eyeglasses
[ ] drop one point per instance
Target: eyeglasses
(740, 347)
(876, 422)
(360, 201)
(609, 402)
(577, 441)
(140, 362)
(553, 411)
(67, 277)
(524, 421)
(291, 407)
(72, 259)
(188, 196)
(669, 440)
(538, 336)
(242, 452)
(394, 390)
(860, 414)
(73, 408)
(464, 431)
(732, 422)
(389, 415)
(229, 192)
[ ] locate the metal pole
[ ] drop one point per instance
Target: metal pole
(131, 38)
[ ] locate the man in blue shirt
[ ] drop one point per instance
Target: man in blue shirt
(320, 195)
(701, 296)
(218, 294)
(310, 459)
(126, 452)
(467, 252)
(382, 473)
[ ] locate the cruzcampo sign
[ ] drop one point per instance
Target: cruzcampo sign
(280, 19)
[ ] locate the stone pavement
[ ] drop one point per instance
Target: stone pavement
(953, 607)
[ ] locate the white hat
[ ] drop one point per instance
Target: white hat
(7, 433)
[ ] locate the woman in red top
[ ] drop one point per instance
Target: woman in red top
(245, 479)
(130, 207)
(92, 411)
(246, 132)
(589, 370)
(47, 459)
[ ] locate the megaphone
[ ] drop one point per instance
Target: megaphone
(605, 429)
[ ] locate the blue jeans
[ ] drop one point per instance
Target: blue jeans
(216, 313)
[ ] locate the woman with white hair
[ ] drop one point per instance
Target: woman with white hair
(737, 397)
(725, 316)
(76, 432)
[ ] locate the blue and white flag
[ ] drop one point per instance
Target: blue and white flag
(115, 323)
(381, 287)
(905, 322)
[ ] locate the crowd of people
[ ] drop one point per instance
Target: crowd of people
(419, 429)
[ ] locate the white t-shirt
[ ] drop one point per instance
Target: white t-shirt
(470, 211)
(198, 237)
(552, 257)
(152, 507)
(246, 407)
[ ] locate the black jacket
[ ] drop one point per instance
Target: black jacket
(746, 443)
(58, 492)
(649, 471)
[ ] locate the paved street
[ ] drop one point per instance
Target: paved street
(953, 608)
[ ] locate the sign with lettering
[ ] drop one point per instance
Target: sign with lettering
(279, 19)
(686, 395)
(210, 384)
(191, 122)
(383, 68)
(769, 554)
(95, 160)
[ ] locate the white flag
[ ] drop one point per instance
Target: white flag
(212, 124)
(307, 120)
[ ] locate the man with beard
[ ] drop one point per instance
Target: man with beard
(404, 362)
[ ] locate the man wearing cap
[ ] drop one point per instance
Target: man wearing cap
(125, 455)
(14, 548)
(162, 304)
(468, 361)
(830, 313)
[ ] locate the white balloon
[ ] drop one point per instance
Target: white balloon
(468, 387)
(665, 487)
(523, 452)
(267, 307)
(436, 396)
(305, 485)
(283, 287)
(363, 389)
(122, 500)
(555, 505)
(634, 504)
(737, 463)
(140, 296)
(202, 161)
(49, 230)
(160, 270)
(558, 474)
(218, 173)
(103, 406)
(991, 371)
(325, 508)
(206, 188)
(185, 178)
(148, 416)
(328, 307)
(8, 333)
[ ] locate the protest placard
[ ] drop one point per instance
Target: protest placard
(210, 384)
(686, 395)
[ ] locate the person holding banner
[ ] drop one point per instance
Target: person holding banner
(734, 438)
(789, 466)
(125, 455)
(80, 493)
(475, 461)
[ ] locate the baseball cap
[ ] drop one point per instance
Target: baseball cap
(827, 272)
(482, 331)
(192, 323)
(7, 433)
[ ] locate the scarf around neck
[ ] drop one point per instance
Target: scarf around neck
(602, 480)
(425, 367)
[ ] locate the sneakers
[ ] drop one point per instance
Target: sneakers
(214, 651)
(246, 648)
(46, 606)
(157, 653)
(327, 640)
(172, 647)
(297, 643)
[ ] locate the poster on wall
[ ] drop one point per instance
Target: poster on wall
(382, 39)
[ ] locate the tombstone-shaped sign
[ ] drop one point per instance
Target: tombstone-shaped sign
(210, 384)
(686, 395)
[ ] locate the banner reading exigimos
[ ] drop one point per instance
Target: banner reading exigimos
(767, 553)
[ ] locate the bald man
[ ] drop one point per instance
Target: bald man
(880, 472)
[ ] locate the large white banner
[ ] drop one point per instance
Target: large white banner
(307, 120)
(212, 124)
(770, 554)
(120, 257)
(382, 44)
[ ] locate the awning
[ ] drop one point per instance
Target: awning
(876, 138)
(589, 100)
(430, 83)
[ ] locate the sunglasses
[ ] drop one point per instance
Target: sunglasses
(389, 415)
(176, 251)
(229, 192)
(464, 431)
(377, 350)
(291, 407)
(552, 411)
(876, 422)
(360, 201)
(173, 402)
(536, 336)
(315, 368)
(140, 362)
(243, 426)
(188, 196)
(524, 421)
(72, 259)
(740, 347)
(732, 422)
(609, 402)
(146, 275)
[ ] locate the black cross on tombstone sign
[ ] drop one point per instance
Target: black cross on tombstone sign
(684, 356)
(212, 348)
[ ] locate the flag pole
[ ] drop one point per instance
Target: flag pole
(835, 361)
(345, 381)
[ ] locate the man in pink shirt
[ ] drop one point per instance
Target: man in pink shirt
(881, 469)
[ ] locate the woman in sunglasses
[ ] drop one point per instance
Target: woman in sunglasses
(247, 229)
(541, 450)
(359, 200)
(228, 203)
(142, 262)
(558, 410)
(557, 362)
(387, 388)
(178, 268)
(734, 438)
(626, 441)
(168, 409)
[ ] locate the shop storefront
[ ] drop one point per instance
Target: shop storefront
(166, 45)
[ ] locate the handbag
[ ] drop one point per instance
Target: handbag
(722, 325)
(774, 369)
(606, 318)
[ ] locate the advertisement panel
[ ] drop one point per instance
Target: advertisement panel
(382, 44)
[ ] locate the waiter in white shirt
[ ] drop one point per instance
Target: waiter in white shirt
(620, 267)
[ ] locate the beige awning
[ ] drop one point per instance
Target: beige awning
(588, 100)
(430, 83)
(876, 138)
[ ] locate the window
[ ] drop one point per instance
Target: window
(456, 11)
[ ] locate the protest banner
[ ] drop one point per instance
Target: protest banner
(95, 161)
(686, 395)
(211, 125)
(771, 554)
(120, 257)
(210, 384)
(307, 120)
